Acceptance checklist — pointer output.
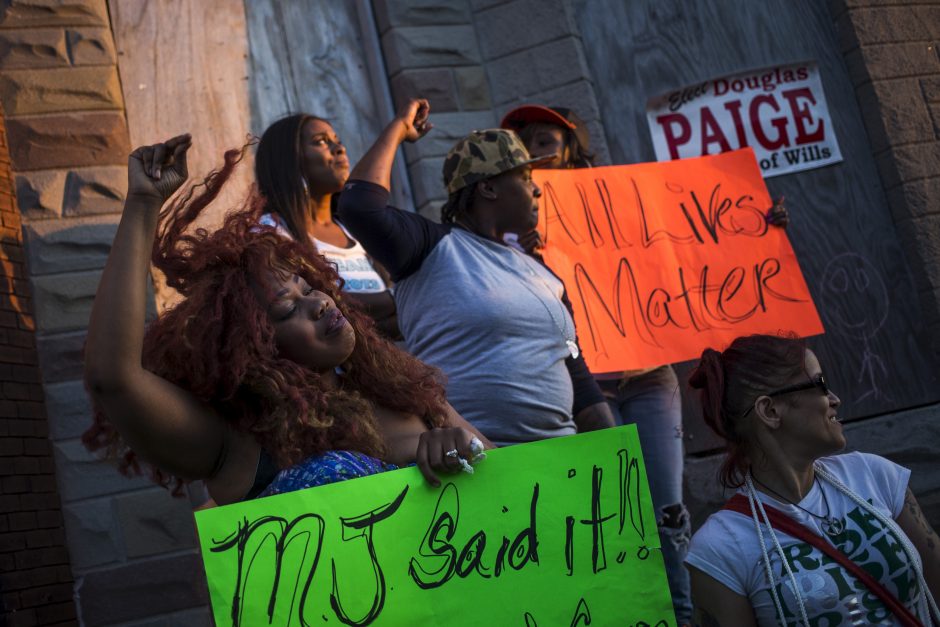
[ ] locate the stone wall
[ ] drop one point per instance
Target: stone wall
(131, 545)
(474, 60)
(533, 53)
(891, 51)
(35, 580)
(431, 51)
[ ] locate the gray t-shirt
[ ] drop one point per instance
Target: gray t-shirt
(492, 319)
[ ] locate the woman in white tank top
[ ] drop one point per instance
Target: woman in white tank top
(300, 165)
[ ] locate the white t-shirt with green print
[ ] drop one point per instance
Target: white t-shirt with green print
(727, 548)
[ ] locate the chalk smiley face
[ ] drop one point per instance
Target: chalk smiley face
(855, 298)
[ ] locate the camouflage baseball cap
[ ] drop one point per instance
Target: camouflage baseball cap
(484, 154)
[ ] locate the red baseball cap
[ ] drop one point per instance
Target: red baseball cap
(520, 117)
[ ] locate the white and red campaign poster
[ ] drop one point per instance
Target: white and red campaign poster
(780, 112)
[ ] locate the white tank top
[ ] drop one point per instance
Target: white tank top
(352, 263)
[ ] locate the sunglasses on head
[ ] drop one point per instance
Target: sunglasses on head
(819, 381)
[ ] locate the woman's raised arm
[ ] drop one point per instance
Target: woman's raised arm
(410, 125)
(163, 423)
(399, 240)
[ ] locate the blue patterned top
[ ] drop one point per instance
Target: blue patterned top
(329, 467)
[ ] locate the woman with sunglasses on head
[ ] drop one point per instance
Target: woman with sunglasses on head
(300, 166)
(811, 537)
(263, 379)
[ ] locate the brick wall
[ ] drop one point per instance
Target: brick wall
(36, 583)
(474, 60)
(431, 51)
(533, 52)
(891, 51)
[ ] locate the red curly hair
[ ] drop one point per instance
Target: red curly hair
(218, 342)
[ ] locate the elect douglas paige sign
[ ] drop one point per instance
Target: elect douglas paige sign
(780, 112)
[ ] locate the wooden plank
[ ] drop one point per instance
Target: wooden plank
(183, 66)
(308, 57)
(873, 351)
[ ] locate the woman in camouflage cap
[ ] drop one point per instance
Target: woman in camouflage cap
(492, 318)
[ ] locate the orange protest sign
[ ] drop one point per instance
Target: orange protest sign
(662, 260)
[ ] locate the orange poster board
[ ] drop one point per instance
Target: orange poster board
(662, 260)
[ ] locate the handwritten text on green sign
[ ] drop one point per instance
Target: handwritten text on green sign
(559, 532)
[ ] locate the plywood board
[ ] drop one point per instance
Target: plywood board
(184, 68)
(873, 351)
(308, 57)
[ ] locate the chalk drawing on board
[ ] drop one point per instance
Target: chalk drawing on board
(855, 305)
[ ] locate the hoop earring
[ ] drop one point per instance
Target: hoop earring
(303, 180)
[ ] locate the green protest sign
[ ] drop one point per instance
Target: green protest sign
(549, 534)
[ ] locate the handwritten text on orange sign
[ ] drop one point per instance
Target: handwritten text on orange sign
(662, 260)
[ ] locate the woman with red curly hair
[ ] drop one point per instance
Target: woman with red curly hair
(263, 379)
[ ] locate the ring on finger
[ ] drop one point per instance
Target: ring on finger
(452, 453)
